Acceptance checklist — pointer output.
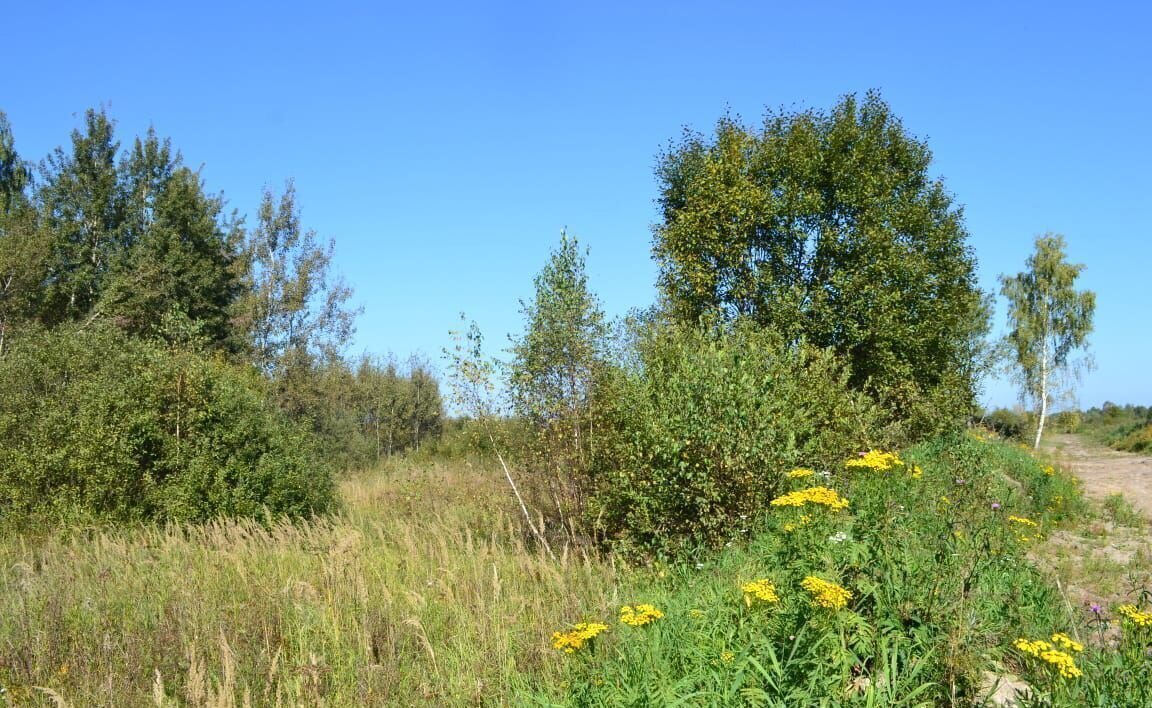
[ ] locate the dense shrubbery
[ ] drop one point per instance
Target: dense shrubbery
(696, 437)
(99, 424)
(1121, 427)
(903, 586)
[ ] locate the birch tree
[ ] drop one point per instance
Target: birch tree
(1049, 320)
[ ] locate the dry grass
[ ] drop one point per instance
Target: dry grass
(422, 592)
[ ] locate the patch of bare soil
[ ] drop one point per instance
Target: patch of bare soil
(1106, 472)
(1108, 559)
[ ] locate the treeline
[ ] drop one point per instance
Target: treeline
(159, 358)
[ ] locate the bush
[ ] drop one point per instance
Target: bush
(95, 424)
(696, 438)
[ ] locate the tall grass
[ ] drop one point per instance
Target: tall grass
(423, 591)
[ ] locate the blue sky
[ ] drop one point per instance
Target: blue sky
(445, 145)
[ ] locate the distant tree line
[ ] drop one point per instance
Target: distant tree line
(153, 346)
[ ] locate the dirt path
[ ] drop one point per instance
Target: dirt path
(1106, 559)
(1106, 472)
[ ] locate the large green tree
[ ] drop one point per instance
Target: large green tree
(1049, 320)
(826, 227)
(82, 208)
(178, 276)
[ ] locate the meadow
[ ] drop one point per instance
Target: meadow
(892, 580)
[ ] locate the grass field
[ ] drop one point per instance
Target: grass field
(424, 592)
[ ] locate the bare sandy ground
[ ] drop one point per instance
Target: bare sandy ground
(1106, 472)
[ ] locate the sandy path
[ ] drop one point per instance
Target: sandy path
(1106, 472)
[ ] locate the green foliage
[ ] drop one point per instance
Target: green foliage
(295, 309)
(826, 228)
(96, 424)
(1048, 321)
(551, 378)
(178, 276)
(695, 440)
(940, 586)
(1007, 423)
(1127, 428)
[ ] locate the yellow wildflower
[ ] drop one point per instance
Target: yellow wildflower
(876, 460)
(826, 594)
(801, 473)
(1044, 651)
(727, 657)
(917, 473)
(1135, 616)
(578, 636)
(639, 615)
(1023, 521)
(813, 495)
(1065, 642)
(762, 590)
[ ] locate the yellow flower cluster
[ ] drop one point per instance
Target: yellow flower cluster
(1135, 616)
(639, 615)
(804, 521)
(801, 473)
(762, 590)
(578, 636)
(813, 495)
(1049, 470)
(1065, 642)
(826, 594)
(1022, 520)
(1046, 652)
(876, 460)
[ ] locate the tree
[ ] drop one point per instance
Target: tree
(554, 361)
(826, 228)
(23, 254)
(178, 276)
(1049, 320)
(82, 207)
(294, 312)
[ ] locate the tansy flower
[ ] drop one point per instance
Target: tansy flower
(1062, 661)
(826, 594)
(876, 460)
(800, 473)
(762, 590)
(813, 495)
(1065, 642)
(580, 634)
(639, 615)
(1135, 616)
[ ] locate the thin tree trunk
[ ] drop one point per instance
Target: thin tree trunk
(1043, 394)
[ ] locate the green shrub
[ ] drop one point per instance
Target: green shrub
(1008, 423)
(695, 438)
(95, 424)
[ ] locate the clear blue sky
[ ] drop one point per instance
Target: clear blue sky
(445, 146)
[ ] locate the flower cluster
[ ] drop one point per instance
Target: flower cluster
(801, 473)
(1065, 642)
(813, 495)
(826, 594)
(876, 460)
(1135, 616)
(1023, 521)
(578, 636)
(639, 615)
(1044, 651)
(762, 590)
(804, 521)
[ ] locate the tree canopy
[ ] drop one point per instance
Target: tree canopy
(826, 227)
